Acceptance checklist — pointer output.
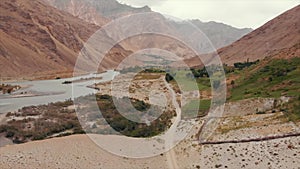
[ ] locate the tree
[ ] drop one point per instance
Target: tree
(169, 77)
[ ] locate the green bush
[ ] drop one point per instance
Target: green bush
(242, 65)
(169, 77)
(130, 128)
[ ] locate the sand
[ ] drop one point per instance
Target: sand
(78, 151)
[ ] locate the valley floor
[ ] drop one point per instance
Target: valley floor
(247, 119)
(78, 151)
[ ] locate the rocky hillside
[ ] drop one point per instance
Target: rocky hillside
(278, 38)
(79, 9)
(93, 8)
(37, 39)
(281, 36)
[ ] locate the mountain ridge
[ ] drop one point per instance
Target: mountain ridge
(220, 34)
(39, 40)
(279, 38)
(106, 8)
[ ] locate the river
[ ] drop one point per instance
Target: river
(47, 91)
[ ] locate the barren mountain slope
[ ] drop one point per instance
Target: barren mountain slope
(37, 39)
(93, 8)
(279, 38)
(281, 33)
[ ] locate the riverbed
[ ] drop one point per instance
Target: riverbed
(47, 91)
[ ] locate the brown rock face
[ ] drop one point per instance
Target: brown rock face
(281, 36)
(91, 10)
(80, 9)
(278, 38)
(36, 39)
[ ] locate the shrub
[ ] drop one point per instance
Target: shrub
(169, 77)
(242, 65)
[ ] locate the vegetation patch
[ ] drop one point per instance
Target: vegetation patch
(277, 78)
(195, 108)
(242, 65)
(131, 128)
(292, 109)
(188, 82)
(60, 119)
(243, 122)
(40, 122)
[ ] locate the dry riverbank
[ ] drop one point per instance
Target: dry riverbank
(80, 152)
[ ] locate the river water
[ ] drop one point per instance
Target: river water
(47, 91)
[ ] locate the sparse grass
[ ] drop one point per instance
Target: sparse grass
(148, 76)
(292, 109)
(189, 110)
(175, 86)
(274, 79)
(186, 84)
(242, 122)
(191, 84)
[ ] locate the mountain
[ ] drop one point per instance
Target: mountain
(93, 8)
(219, 34)
(79, 9)
(40, 40)
(279, 38)
(281, 34)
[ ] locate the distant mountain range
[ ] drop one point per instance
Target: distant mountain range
(97, 11)
(220, 34)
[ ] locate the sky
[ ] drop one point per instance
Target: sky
(237, 13)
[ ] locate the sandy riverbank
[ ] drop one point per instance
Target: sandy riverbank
(2, 117)
(4, 141)
(78, 151)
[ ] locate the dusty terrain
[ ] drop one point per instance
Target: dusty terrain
(149, 87)
(79, 151)
(253, 126)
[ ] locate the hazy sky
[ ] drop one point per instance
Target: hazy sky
(238, 13)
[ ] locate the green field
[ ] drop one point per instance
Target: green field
(274, 79)
(189, 110)
(191, 84)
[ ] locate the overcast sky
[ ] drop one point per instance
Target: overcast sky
(238, 13)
